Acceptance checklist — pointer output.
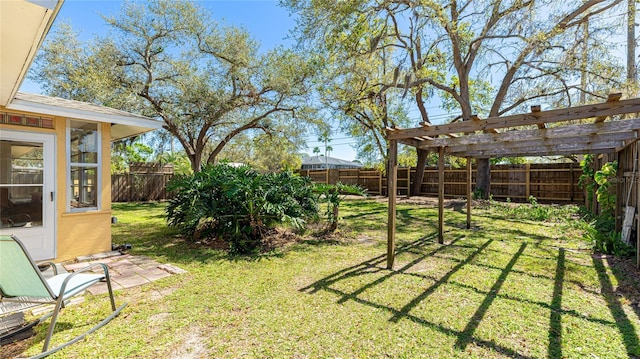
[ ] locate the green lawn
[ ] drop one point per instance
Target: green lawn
(506, 288)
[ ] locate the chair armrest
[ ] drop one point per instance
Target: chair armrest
(93, 265)
(42, 266)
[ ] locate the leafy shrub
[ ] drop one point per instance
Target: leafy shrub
(586, 181)
(333, 194)
(533, 211)
(598, 182)
(601, 230)
(239, 204)
(604, 239)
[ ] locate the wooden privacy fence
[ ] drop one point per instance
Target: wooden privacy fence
(132, 187)
(549, 182)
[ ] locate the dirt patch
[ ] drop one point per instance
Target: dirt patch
(279, 238)
(14, 349)
(193, 345)
(155, 322)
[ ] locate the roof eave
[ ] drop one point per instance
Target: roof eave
(18, 56)
(123, 126)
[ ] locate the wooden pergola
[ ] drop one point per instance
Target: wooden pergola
(537, 133)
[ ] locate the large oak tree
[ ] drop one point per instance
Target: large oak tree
(484, 58)
(169, 60)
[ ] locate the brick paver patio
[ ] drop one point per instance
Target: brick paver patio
(126, 270)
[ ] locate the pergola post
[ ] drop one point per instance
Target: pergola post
(637, 180)
(441, 195)
(392, 184)
(469, 192)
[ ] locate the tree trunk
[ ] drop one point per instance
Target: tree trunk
(416, 186)
(196, 161)
(334, 223)
(483, 178)
(631, 42)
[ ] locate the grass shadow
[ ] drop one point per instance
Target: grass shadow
(466, 336)
(555, 321)
(463, 337)
(623, 323)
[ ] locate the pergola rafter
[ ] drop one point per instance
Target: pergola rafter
(538, 133)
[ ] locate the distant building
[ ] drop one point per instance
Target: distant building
(324, 162)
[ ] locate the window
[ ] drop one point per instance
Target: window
(83, 158)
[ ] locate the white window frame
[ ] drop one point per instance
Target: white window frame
(97, 166)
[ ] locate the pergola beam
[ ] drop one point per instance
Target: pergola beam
(577, 130)
(565, 149)
(613, 97)
(528, 119)
(549, 144)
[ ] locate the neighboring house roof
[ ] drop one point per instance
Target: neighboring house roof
(123, 124)
(330, 161)
(23, 26)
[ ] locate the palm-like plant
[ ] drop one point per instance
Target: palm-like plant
(239, 204)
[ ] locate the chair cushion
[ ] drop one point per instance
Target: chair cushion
(76, 284)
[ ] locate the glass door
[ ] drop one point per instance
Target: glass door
(27, 190)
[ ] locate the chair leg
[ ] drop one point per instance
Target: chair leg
(81, 336)
(52, 325)
(108, 279)
(60, 304)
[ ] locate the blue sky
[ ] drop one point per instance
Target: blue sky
(264, 19)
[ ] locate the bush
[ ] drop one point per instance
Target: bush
(333, 194)
(604, 239)
(533, 211)
(239, 204)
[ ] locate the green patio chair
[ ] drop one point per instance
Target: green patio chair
(21, 281)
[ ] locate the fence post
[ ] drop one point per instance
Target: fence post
(571, 179)
(408, 181)
(130, 183)
(527, 180)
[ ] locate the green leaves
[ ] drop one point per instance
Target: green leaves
(169, 60)
(607, 171)
(238, 204)
(333, 195)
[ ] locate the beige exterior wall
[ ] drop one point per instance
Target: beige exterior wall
(78, 233)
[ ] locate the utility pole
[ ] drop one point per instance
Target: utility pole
(326, 160)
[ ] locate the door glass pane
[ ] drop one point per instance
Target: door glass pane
(21, 183)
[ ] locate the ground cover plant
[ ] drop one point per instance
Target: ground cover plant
(508, 287)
